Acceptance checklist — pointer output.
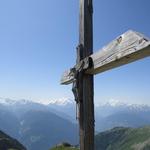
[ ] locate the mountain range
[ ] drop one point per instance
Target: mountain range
(35, 125)
(108, 115)
(41, 126)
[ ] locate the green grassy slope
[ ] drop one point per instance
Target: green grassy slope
(119, 139)
(63, 148)
(124, 139)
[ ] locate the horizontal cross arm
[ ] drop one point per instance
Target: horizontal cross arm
(125, 49)
(128, 47)
(67, 77)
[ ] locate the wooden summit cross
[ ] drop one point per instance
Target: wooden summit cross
(127, 48)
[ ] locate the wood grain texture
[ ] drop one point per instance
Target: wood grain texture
(67, 77)
(85, 87)
(127, 48)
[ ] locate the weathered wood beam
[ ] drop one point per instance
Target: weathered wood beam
(67, 77)
(127, 48)
(85, 81)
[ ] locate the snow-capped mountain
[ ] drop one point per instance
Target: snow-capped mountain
(111, 113)
(115, 113)
(117, 103)
(62, 102)
(64, 107)
(115, 106)
(67, 105)
(8, 101)
(20, 107)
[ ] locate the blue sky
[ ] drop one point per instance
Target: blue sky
(38, 39)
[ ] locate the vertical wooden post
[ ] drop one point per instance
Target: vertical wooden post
(86, 106)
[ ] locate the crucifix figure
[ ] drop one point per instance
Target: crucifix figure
(128, 47)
